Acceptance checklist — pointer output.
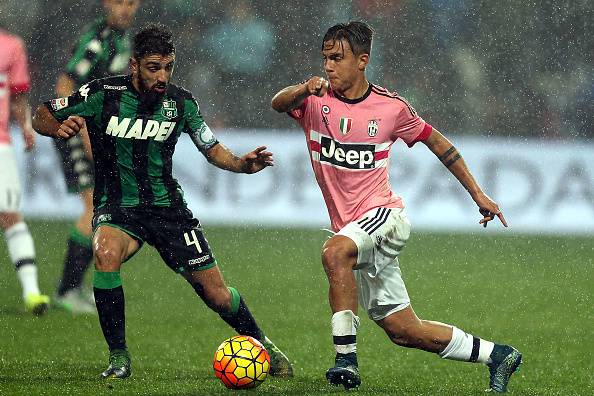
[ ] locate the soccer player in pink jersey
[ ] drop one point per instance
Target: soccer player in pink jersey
(350, 125)
(14, 85)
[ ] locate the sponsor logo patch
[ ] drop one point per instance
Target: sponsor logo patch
(116, 87)
(59, 104)
(104, 218)
(198, 260)
(355, 156)
(139, 129)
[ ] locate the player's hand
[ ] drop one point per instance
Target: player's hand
(29, 137)
(70, 127)
(256, 160)
(317, 86)
(489, 209)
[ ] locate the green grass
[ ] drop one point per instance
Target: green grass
(533, 292)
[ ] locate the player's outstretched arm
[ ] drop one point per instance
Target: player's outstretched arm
(252, 162)
(451, 158)
(291, 97)
(46, 124)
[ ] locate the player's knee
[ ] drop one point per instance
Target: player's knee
(336, 257)
(107, 258)
(8, 219)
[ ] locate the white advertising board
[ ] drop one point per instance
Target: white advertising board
(541, 186)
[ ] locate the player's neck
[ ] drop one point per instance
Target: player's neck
(356, 90)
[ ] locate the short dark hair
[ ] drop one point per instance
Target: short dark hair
(358, 34)
(153, 39)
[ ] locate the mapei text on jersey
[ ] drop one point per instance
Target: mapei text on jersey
(140, 129)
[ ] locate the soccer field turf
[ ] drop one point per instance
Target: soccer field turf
(533, 292)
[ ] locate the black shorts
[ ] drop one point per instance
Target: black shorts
(174, 232)
(78, 168)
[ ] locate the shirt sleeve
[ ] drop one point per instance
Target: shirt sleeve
(409, 126)
(85, 56)
(196, 127)
(299, 112)
(18, 76)
(302, 114)
(87, 102)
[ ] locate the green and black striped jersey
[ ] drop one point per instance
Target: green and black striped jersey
(101, 51)
(133, 141)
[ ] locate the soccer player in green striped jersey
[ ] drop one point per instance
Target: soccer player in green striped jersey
(102, 50)
(134, 123)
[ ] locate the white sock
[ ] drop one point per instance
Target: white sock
(22, 255)
(465, 347)
(344, 331)
(28, 276)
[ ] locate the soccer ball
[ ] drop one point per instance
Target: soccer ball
(241, 362)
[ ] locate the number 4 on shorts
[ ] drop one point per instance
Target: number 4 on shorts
(193, 241)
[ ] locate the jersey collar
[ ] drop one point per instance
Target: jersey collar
(353, 101)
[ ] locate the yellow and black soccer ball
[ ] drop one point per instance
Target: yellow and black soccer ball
(241, 362)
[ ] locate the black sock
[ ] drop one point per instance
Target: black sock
(78, 258)
(110, 306)
(243, 322)
(240, 318)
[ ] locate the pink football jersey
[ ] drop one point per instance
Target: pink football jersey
(14, 77)
(349, 144)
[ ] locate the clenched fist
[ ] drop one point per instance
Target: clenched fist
(317, 86)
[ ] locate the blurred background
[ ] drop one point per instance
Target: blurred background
(510, 83)
(504, 68)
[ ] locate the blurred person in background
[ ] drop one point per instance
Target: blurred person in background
(14, 88)
(102, 50)
(241, 46)
(350, 126)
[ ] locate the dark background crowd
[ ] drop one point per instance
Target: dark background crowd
(503, 68)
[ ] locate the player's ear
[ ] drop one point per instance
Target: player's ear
(133, 65)
(363, 61)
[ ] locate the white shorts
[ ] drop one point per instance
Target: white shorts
(380, 234)
(10, 187)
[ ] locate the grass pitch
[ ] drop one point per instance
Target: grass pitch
(531, 291)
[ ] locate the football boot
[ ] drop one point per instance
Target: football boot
(119, 365)
(345, 371)
(280, 366)
(37, 304)
(504, 361)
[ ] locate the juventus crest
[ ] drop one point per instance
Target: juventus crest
(372, 128)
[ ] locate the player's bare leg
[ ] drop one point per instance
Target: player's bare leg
(231, 307)
(404, 328)
(22, 254)
(112, 247)
(339, 257)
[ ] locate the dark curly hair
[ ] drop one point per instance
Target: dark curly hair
(153, 39)
(358, 34)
